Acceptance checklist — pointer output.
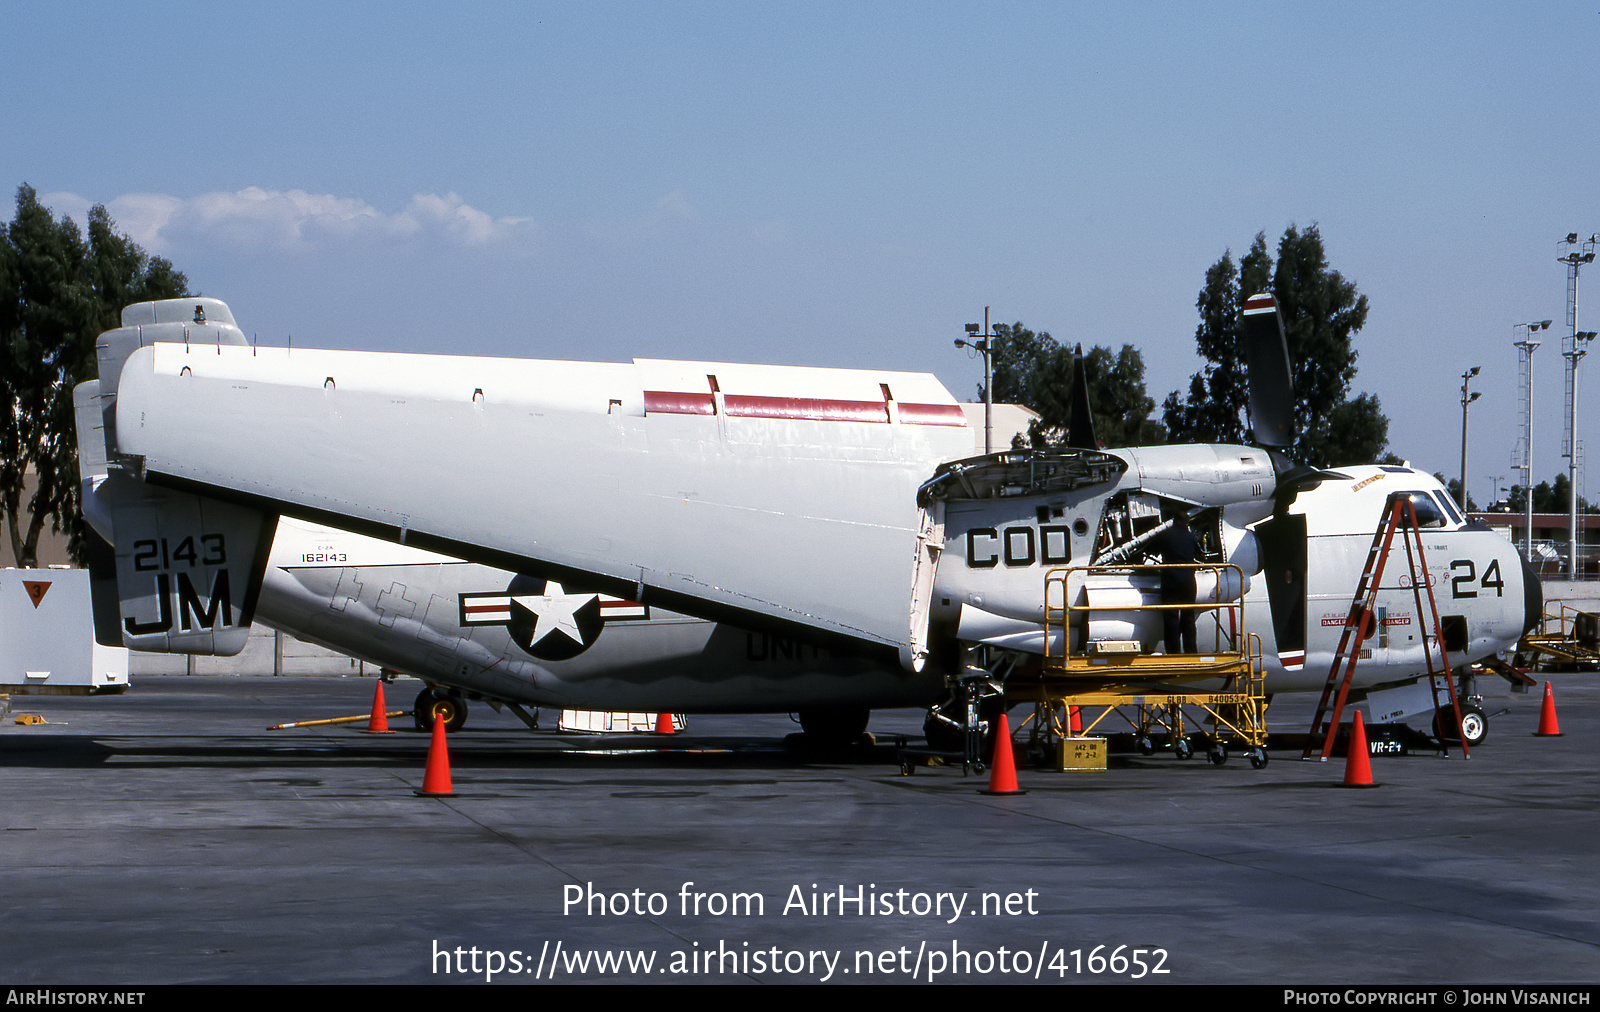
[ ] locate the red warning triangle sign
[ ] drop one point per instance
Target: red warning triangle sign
(36, 589)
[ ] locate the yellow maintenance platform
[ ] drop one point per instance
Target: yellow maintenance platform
(1094, 663)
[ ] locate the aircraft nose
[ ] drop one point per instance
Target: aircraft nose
(1532, 598)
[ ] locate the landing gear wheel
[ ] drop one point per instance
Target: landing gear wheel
(1218, 754)
(1182, 749)
(1474, 726)
(1257, 757)
(431, 704)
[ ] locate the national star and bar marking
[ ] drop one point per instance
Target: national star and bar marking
(555, 609)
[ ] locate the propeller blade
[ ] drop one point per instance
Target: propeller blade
(1271, 385)
(1081, 434)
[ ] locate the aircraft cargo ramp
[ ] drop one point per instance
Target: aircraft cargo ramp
(1091, 661)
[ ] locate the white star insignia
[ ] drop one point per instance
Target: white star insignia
(555, 610)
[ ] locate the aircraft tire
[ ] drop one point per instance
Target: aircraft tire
(1473, 721)
(430, 704)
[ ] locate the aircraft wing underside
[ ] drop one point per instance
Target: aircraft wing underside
(675, 481)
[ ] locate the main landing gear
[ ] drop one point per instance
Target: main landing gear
(433, 703)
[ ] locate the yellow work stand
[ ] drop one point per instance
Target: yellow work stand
(1149, 691)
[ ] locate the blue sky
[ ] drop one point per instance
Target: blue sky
(840, 184)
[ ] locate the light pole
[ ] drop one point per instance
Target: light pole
(1495, 489)
(1574, 348)
(984, 347)
(1579, 252)
(1525, 349)
(1466, 398)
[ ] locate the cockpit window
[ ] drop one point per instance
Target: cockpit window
(1428, 512)
(1449, 508)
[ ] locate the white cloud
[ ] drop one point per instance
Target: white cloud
(255, 217)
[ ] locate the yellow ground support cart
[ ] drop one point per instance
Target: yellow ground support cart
(1099, 658)
(1567, 639)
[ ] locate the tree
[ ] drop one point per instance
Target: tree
(58, 291)
(1548, 497)
(1034, 370)
(1214, 411)
(1120, 406)
(1322, 312)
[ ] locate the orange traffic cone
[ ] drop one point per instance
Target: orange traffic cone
(1003, 768)
(1548, 728)
(1075, 720)
(664, 723)
(378, 723)
(436, 777)
(1358, 763)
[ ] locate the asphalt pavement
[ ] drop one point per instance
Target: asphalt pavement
(166, 837)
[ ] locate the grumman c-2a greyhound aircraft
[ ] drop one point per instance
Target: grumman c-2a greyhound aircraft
(469, 631)
(819, 506)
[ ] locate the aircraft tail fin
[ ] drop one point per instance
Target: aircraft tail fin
(101, 556)
(173, 571)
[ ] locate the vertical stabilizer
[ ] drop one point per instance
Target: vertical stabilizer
(185, 570)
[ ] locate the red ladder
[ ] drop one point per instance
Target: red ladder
(1399, 513)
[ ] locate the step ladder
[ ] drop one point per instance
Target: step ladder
(1399, 514)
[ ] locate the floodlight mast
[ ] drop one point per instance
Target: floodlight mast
(1467, 397)
(1525, 349)
(984, 347)
(1579, 252)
